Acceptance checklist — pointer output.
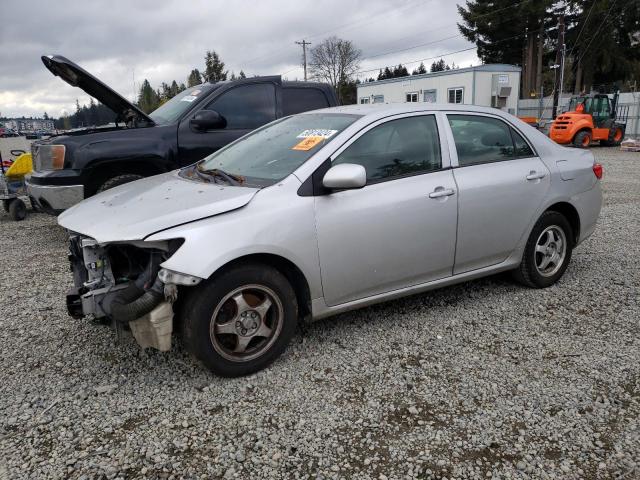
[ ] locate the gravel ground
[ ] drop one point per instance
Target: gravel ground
(485, 379)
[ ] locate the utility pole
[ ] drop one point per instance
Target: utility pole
(304, 44)
(559, 77)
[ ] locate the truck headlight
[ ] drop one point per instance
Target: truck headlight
(169, 276)
(48, 157)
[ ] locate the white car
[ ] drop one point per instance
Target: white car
(323, 212)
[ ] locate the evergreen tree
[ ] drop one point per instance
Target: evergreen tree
(420, 70)
(174, 89)
(214, 67)
(400, 71)
(194, 78)
(148, 98)
(439, 66)
(242, 74)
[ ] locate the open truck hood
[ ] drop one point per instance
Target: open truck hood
(77, 76)
(135, 210)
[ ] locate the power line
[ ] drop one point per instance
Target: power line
(448, 53)
(595, 34)
(474, 18)
(582, 29)
(367, 19)
(433, 42)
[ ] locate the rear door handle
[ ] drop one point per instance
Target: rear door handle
(441, 192)
(533, 175)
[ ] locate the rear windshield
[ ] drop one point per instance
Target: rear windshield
(172, 110)
(274, 151)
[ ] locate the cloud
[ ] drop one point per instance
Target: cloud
(123, 42)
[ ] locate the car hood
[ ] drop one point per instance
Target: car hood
(136, 210)
(77, 76)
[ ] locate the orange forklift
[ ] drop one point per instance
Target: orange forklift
(590, 118)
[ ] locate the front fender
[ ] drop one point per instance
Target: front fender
(272, 224)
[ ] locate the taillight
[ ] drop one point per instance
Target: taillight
(598, 170)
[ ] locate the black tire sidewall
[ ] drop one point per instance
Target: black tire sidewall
(119, 180)
(17, 210)
(528, 268)
(577, 141)
(201, 304)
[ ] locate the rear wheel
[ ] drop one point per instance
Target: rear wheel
(240, 321)
(119, 180)
(582, 139)
(17, 209)
(548, 251)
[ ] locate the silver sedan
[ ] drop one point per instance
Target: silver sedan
(324, 212)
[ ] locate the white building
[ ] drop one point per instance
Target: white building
(492, 85)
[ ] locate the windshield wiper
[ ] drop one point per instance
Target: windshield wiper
(227, 177)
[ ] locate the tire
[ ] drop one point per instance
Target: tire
(119, 180)
(226, 300)
(17, 209)
(531, 272)
(582, 139)
(616, 135)
(5, 205)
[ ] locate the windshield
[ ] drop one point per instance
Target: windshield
(274, 151)
(172, 110)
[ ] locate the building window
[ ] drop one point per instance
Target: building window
(364, 100)
(378, 99)
(411, 97)
(456, 95)
(430, 96)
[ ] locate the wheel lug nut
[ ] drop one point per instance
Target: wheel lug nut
(254, 325)
(237, 323)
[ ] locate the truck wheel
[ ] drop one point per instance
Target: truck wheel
(615, 137)
(119, 180)
(240, 321)
(17, 209)
(547, 253)
(582, 139)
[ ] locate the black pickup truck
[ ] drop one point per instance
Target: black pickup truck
(193, 124)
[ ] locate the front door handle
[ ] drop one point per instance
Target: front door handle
(533, 175)
(442, 192)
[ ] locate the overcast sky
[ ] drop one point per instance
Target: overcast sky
(122, 42)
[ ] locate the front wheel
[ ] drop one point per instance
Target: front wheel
(582, 139)
(548, 251)
(241, 320)
(17, 209)
(119, 180)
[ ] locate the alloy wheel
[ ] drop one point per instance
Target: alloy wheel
(551, 249)
(246, 323)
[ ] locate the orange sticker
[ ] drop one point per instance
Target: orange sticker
(308, 143)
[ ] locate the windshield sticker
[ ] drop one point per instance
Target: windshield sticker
(308, 143)
(317, 132)
(187, 99)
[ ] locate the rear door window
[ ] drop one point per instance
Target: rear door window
(248, 106)
(481, 139)
(297, 100)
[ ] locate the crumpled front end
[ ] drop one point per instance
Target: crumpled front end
(125, 283)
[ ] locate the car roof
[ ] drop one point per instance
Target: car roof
(385, 109)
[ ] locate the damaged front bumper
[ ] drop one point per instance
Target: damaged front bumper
(125, 283)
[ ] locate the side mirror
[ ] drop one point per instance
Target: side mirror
(345, 176)
(208, 120)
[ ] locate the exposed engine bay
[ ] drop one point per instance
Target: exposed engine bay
(124, 283)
